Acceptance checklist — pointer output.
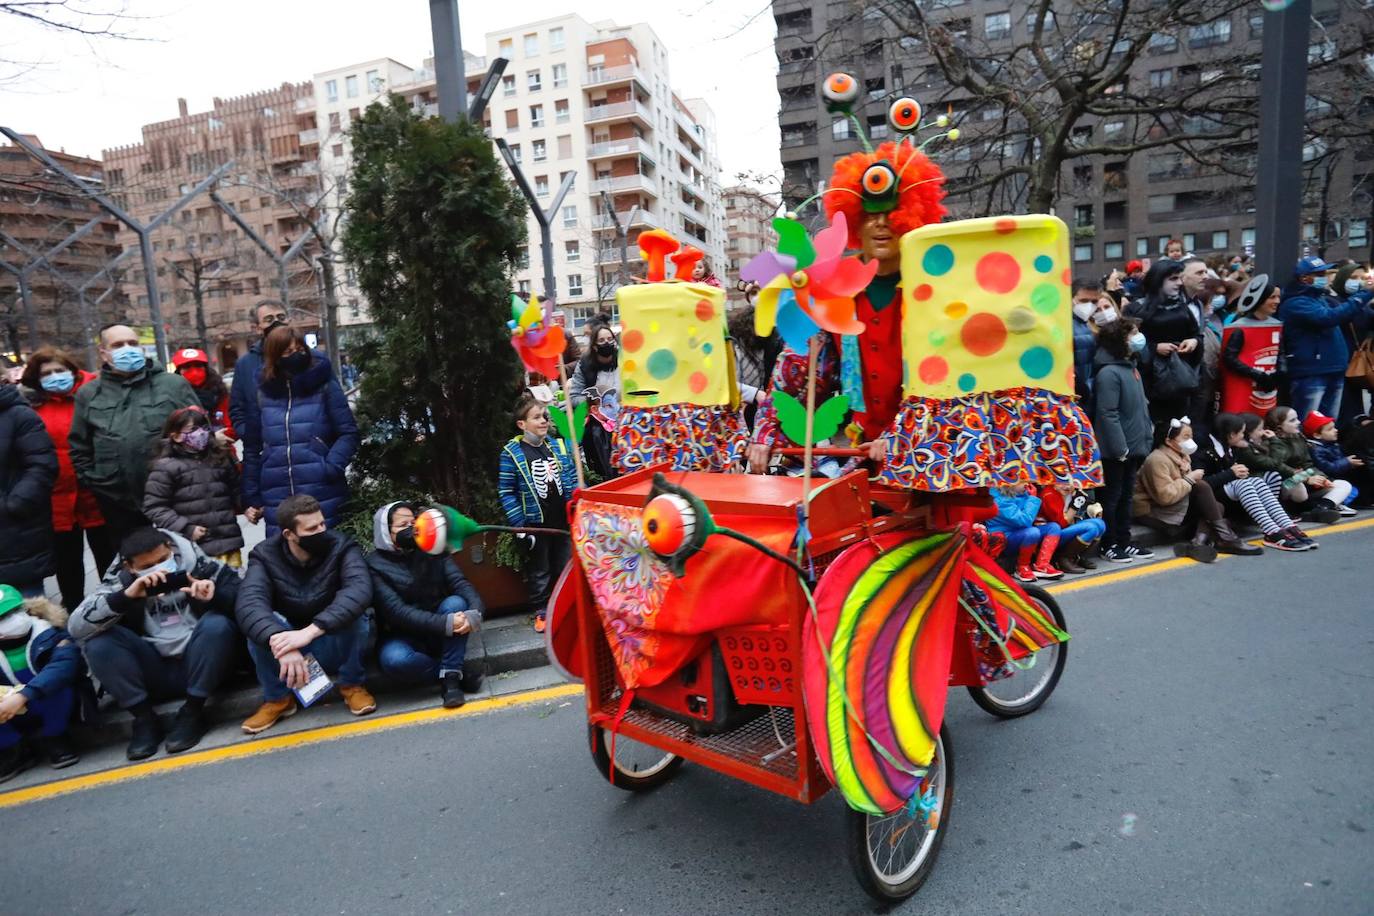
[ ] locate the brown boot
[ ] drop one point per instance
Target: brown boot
(359, 701)
(1199, 548)
(1067, 558)
(1228, 541)
(268, 714)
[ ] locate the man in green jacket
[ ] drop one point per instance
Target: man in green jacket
(117, 422)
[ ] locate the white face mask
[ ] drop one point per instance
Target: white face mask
(1084, 310)
(1187, 446)
(1105, 317)
(15, 624)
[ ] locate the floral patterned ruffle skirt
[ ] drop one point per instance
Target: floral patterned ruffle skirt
(1020, 435)
(691, 437)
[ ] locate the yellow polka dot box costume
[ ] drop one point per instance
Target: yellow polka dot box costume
(679, 394)
(987, 360)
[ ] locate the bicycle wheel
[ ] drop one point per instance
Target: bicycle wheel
(1027, 689)
(638, 766)
(893, 854)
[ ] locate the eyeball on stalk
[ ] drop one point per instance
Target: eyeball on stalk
(904, 115)
(953, 133)
(942, 121)
(839, 90)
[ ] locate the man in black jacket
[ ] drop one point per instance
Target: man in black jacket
(28, 468)
(305, 591)
(426, 608)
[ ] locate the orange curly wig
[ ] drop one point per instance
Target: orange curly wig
(918, 203)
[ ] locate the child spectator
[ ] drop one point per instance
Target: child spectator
(1314, 493)
(536, 479)
(1173, 497)
(1034, 544)
(1121, 416)
(194, 366)
(1080, 523)
(193, 487)
(40, 668)
(426, 609)
(1228, 477)
(1332, 460)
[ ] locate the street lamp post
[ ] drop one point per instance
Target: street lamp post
(542, 216)
(1283, 113)
(450, 78)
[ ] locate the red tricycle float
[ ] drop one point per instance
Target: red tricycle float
(801, 632)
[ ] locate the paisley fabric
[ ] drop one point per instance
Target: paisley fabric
(1018, 435)
(690, 437)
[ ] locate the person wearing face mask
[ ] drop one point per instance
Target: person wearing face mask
(1086, 294)
(305, 593)
(1172, 497)
(304, 436)
(160, 626)
(426, 609)
(53, 378)
(1171, 329)
(117, 423)
(28, 470)
(1313, 342)
(193, 487)
(1121, 418)
(194, 366)
(1352, 280)
(599, 369)
(40, 676)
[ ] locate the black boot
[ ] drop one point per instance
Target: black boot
(1324, 511)
(451, 689)
(1199, 548)
(1228, 541)
(472, 678)
(187, 729)
(60, 752)
(147, 737)
(14, 760)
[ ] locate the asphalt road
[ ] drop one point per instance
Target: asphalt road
(1208, 751)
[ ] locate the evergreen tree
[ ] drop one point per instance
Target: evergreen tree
(434, 228)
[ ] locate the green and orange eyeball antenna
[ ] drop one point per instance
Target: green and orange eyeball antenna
(880, 190)
(840, 91)
(443, 529)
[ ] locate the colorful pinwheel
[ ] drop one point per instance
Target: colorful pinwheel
(808, 284)
(539, 343)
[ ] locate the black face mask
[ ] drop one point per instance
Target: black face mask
(317, 544)
(405, 538)
(272, 327)
(606, 349)
(296, 363)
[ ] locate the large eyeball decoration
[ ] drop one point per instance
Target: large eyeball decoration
(904, 116)
(840, 91)
(669, 522)
(431, 532)
(879, 183)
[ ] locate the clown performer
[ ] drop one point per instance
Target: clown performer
(680, 400)
(962, 377)
(1252, 361)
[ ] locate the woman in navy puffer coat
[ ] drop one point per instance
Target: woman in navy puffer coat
(305, 435)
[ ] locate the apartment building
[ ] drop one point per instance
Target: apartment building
(210, 273)
(1120, 207)
(594, 98)
(39, 210)
(749, 217)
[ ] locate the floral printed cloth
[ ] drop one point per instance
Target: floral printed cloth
(689, 436)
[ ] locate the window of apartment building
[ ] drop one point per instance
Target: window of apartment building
(512, 119)
(505, 48)
(1142, 247)
(996, 25)
(334, 121)
(331, 90)
(354, 114)
(1161, 242)
(1357, 238)
(1220, 240)
(508, 85)
(1189, 242)
(532, 44)
(1209, 34)
(574, 285)
(1115, 177)
(351, 86)
(560, 76)
(374, 81)
(354, 310)
(1050, 22)
(572, 250)
(1083, 252)
(876, 89)
(1083, 215)
(523, 261)
(541, 185)
(1114, 251)
(1081, 136)
(562, 177)
(1257, 25)
(524, 285)
(1163, 43)
(341, 188)
(515, 152)
(337, 150)
(565, 147)
(556, 39)
(532, 81)
(561, 112)
(536, 116)
(794, 22)
(1320, 52)
(1161, 78)
(540, 150)
(570, 216)
(842, 130)
(877, 127)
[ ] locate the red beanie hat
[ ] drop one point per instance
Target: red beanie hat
(1314, 423)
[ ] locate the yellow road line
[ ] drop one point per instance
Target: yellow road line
(1178, 562)
(253, 748)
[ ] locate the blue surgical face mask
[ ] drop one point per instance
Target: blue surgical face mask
(168, 566)
(1219, 302)
(1319, 282)
(1137, 342)
(1353, 286)
(58, 381)
(128, 359)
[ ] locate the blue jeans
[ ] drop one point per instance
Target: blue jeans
(339, 653)
(419, 658)
(1317, 392)
(1087, 530)
(1024, 537)
(45, 717)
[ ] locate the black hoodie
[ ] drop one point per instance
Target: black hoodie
(28, 469)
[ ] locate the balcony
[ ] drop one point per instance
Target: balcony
(310, 137)
(628, 147)
(612, 255)
(600, 114)
(641, 218)
(610, 76)
(697, 190)
(624, 183)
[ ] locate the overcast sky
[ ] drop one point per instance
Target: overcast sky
(88, 95)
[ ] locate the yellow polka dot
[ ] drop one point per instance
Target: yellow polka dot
(956, 310)
(630, 365)
(653, 327)
(706, 362)
(692, 331)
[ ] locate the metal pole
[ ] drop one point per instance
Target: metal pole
(484, 92)
(542, 216)
(1282, 97)
(450, 78)
(145, 247)
(30, 318)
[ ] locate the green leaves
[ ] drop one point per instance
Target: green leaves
(792, 417)
(559, 415)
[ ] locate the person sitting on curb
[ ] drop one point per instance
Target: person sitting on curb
(1333, 460)
(40, 670)
(160, 626)
(426, 609)
(305, 591)
(1080, 523)
(1017, 508)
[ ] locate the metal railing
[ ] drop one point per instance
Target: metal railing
(610, 112)
(626, 147)
(625, 183)
(603, 75)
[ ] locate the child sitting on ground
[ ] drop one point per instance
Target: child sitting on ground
(1231, 479)
(40, 668)
(1320, 495)
(193, 487)
(1080, 523)
(1332, 460)
(1034, 544)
